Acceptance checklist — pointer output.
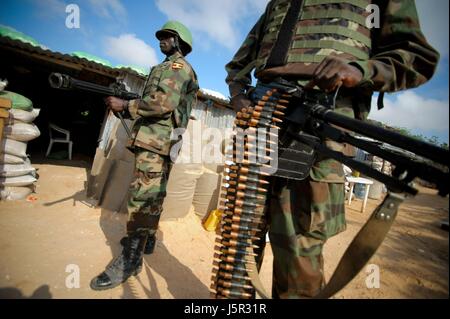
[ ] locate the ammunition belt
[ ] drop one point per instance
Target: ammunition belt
(244, 194)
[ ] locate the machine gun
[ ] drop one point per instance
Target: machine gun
(302, 121)
(310, 121)
(65, 82)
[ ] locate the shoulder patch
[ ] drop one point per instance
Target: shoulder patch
(177, 66)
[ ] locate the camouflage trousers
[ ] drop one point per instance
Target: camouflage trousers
(147, 191)
(302, 215)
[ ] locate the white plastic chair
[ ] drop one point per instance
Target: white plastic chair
(53, 127)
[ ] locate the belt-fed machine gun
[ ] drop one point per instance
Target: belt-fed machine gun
(302, 121)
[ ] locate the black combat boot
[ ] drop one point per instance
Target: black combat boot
(127, 264)
(149, 246)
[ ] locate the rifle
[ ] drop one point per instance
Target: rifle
(303, 121)
(65, 82)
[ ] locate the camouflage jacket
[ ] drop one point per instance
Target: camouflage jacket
(396, 57)
(400, 56)
(168, 97)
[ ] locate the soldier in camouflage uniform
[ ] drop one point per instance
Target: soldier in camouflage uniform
(168, 97)
(325, 44)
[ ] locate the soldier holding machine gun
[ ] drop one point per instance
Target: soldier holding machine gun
(321, 46)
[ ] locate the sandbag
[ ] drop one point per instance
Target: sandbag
(10, 159)
(11, 170)
(206, 193)
(15, 193)
(17, 181)
(180, 190)
(12, 147)
(23, 116)
(23, 132)
(18, 101)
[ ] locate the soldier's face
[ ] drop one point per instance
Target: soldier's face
(167, 43)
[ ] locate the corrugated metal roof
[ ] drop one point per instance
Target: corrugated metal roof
(213, 96)
(6, 42)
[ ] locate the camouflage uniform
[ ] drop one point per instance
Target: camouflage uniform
(167, 101)
(396, 56)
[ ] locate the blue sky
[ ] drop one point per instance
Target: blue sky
(122, 32)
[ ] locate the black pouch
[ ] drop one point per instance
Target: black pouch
(295, 156)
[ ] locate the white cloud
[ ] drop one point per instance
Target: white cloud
(414, 112)
(129, 50)
(434, 20)
(109, 9)
(216, 19)
(51, 8)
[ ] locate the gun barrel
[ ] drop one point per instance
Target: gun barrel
(427, 150)
(63, 81)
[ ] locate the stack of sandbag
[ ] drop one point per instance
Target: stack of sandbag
(183, 177)
(17, 176)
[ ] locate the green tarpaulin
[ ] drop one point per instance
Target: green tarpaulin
(90, 57)
(134, 68)
(18, 101)
(12, 33)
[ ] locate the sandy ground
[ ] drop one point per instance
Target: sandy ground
(44, 243)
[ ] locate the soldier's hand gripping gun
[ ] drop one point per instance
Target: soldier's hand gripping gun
(63, 81)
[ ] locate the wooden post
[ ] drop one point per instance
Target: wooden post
(5, 105)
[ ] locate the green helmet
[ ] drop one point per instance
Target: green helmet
(179, 29)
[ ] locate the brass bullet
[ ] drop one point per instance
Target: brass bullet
(232, 284)
(242, 212)
(254, 132)
(248, 213)
(240, 122)
(234, 294)
(252, 196)
(272, 109)
(274, 99)
(271, 104)
(248, 154)
(241, 204)
(233, 251)
(246, 178)
(238, 219)
(235, 235)
(232, 259)
(242, 186)
(248, 203)
(231, 227)
(226, 275)
(256, 122)
(228, 189)
(230, 267)
(235, 243)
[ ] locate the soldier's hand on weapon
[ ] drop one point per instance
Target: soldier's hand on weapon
(240, 101)
(334, 72)
(115, 104)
